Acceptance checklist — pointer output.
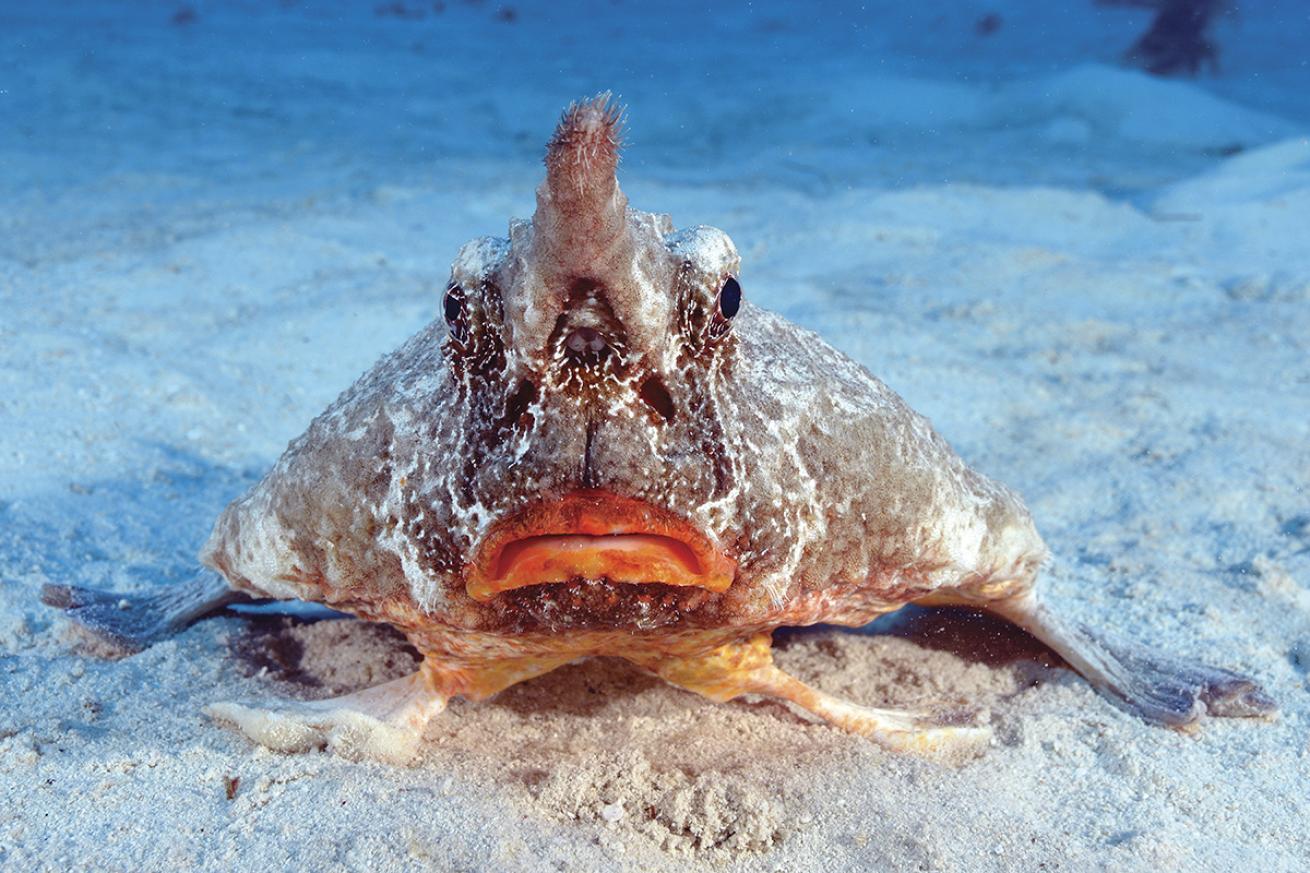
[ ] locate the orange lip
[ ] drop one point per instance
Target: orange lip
(595, 535)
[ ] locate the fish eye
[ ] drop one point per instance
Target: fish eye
(726, 304)
(452, 306)
(730, 298)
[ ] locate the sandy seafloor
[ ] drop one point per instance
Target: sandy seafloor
(1096, 284)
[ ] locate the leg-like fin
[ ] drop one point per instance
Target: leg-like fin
(748, 668)
(1160, 689)
(128, 623)
(948, 733)
(383, 723)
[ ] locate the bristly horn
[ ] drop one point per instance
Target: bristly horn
(581, 213)
(584, 152)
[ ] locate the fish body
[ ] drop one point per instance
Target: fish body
(601, 447)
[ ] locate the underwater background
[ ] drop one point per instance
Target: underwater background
(1076, 235)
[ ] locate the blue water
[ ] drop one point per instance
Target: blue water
(260, 91)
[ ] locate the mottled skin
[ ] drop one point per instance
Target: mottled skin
(599, 351)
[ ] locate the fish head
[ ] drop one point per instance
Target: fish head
(599, 432)
(589, 348)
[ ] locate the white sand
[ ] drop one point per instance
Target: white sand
(1097, 285)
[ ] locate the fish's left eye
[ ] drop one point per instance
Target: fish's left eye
(730, 298)
(726, 304)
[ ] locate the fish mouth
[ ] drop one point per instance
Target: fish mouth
(594, 536)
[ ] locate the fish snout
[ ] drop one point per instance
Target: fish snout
(585, 345)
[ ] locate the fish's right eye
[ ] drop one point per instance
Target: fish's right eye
(454, 306)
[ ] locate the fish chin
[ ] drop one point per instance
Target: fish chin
(603, 604)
